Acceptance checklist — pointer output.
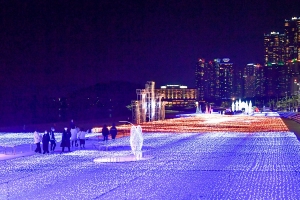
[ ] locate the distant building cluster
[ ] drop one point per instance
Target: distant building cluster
(151, 102)
(214, 79)
(278, 76)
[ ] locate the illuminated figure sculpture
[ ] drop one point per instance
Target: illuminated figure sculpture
(232, 107)
(136, 141)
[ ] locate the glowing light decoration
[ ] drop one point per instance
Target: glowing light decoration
(261, 164)
(136, 141)
(250, 108)
(239, 105)
(214, 123)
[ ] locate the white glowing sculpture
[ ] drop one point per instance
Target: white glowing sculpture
(246, 107)
(232, 107)
(197, 108)
(239, 105)
(206, 109)
(136, 141)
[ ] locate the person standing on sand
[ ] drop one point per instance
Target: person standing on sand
(105, 132)
(65, 140)
(46, 139)
(113, 131)
(81, 137)
(74, 136)
(73, 132)
(52, 140)
(37, 141)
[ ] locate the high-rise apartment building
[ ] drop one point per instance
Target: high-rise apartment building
(281, 58)
(274, 48)
(249, 81)
(225, 77)
(293, 69)
(260, 80)
(254, 81)
(238, 83)
(292, 39)
(275, 80)
(206, 80)
(214, 79)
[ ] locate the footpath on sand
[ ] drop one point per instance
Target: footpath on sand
(292, 126)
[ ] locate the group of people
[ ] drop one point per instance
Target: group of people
(112, 131)
(45, 139)
(69, 138)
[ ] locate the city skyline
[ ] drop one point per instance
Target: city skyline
(51, 48)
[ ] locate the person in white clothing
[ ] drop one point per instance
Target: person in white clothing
(74, 133)
(81, 137)
(37, 141)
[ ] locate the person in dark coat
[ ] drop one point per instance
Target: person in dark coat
(65, 139)
(52, 140)
(105, 132)
(46, 139)
(113, 131)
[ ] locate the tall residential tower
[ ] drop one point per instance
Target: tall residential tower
(214, 79)
(281, 59)
(292, 39)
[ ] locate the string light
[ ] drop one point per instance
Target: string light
(213, 123)
(261, 164)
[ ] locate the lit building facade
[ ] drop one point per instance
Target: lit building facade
(225, 78)
(207, 83)
(282, 57)
(274, 48)
(260, 80)
(214, 79)
(238, 84)
(254, 81)
(177, 96)
(249, 81)
(292, 39)
(294, 77)
(276, 85)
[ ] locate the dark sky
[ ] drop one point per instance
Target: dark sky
(58, 46)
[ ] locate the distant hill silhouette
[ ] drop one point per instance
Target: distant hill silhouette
(102, 100)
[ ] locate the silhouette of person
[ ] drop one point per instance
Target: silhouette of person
(65, 139)
(113, 131)
(52, 140)
(46, 139)
(105, 132)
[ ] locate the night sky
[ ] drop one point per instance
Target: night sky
(53, 47)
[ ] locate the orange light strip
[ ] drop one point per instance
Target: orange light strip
(213, 123)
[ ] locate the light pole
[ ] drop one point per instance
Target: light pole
(127, 122)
